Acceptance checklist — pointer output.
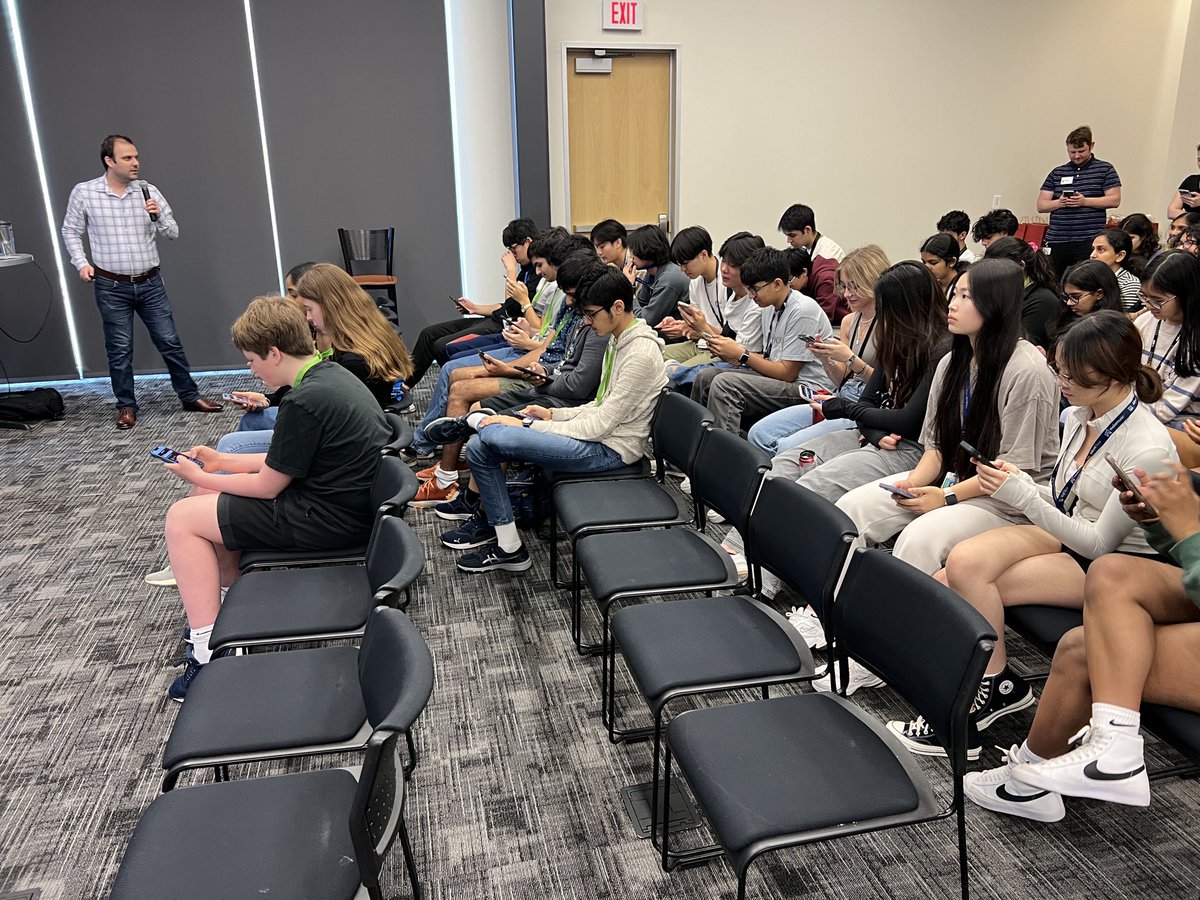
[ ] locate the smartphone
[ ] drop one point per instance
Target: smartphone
(975, 454)
(1129, 483)
(457, 303)
(1072, 193)
(483, 356)
(533, 374)
(232, 398)
(898, 491)
(1188, 194)
(166, 454)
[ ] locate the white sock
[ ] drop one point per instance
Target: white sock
(444, 479)
(200, 649)
(475, 418)
(507, 537)
(1025, 755)
(1106, 715)
(224, 591)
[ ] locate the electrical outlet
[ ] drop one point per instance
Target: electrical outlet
(996, 198)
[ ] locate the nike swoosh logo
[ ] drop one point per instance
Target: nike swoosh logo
(1003, 793)
(1092, 771)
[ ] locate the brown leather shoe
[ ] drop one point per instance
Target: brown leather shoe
(126, 418)
(202, 405)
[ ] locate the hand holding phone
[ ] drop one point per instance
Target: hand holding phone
(1129, 484)
(533, 373)
(898, 491)
(167, 455)
(978, 456)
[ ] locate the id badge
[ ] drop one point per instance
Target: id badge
(1066, 180)
(949, 481)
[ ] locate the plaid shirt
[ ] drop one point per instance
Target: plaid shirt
(119, 229)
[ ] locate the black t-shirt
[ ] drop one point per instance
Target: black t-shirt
(1039, 311)
(328, 437)
(1191, 183)
(357, 366)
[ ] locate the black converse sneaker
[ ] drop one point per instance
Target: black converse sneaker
(919, 738)
(1000, 695)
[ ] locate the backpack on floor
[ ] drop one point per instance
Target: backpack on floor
(530, 504)
(31, 406)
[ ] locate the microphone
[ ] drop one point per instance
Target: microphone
(146, 195)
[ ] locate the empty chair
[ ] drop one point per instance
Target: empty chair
(394, 485)
(794, 770)
(370, 245)
(282, 606)
(312, 834)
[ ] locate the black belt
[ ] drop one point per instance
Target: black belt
(126, 279)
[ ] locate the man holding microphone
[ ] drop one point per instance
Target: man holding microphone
(122, 218)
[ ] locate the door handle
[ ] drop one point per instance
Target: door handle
(664, 222)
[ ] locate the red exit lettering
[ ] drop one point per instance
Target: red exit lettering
(623, 12)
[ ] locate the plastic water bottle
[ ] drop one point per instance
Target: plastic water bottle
(8, 246)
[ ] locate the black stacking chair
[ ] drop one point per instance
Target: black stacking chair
(811, 767)
(285, 705)
(587, 507)
(287, 606)
(370, 245)
(395, 484)
(311, 834)
(625, 565)
(402, 434)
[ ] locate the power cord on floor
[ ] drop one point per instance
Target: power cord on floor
(36, 334)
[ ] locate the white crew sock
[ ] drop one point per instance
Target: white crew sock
(1025, 755)
(475, 418)
(200, 649)
(444, 479)
(507, 537)
(1106, 715)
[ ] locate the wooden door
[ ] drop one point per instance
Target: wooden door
(619, 130)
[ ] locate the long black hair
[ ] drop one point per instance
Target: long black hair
(910, 322)
(997, 287)
(1036, 265)
(1094, 277)
(1178, 273)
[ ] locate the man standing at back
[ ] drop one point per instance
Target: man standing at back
(1078, 195)
(122, 225)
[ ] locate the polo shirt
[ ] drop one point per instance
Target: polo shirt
(1081, 223)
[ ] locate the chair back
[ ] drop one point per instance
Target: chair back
(395, 557)
(367, 245)
(678, 426)
(402, 434)
(918, 636)
(394, 486)
(803, 539)
(395, 670)
(728, 471)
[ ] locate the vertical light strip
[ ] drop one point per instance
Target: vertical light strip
(18, 45)
(512, 99)
(262, 133)
(458, 179)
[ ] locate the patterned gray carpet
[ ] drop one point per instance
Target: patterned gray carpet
(517, 792)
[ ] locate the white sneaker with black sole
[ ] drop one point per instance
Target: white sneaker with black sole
(860, 677)
(1109, 764)
(997, 790)
(806, 622)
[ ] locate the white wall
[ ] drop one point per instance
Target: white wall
(883, 115)
(481, 84)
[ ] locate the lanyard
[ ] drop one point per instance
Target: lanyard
(858, 351)
(1154, 347)
(551, 310)
(304, 369)
(771, 334)
(966, 401)
(714, 299)
(1060, 498)
(610, 353)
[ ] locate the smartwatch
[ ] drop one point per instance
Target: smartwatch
(745, 360)
(951, 497)
(526, 421)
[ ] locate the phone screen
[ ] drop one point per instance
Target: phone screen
(1129, 483)
(898, 491)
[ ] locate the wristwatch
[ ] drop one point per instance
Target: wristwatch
(745, 360)
(526, 421)
(951, 497)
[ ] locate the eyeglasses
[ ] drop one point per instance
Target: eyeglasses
(1153, 304)
(1075, 299)
(590, 315)
(512, 248)
(842, 289)
(754, 290)
(1064, 380)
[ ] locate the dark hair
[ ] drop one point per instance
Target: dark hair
(1119, 241)
(1110, 343)
(956, 221)
(649, 244)
(569, 246)
(608, 231)
(574, 270)
(1080, 135)
(297, 272)
(997, 221)
(1036, 265)
(766, 264)
(738, 247)
(797, 217)
(544, 242)
(1193, 232)
(690, 243)
(910, 322)
(518, 231)
(997, 286)
(944, 247)
(608, 287)
(1139, 224)
(1178, 274)
(1189, 216)
(106, 147)
(799, 261)
(1095, 276)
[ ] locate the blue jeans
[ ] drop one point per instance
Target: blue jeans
(787, 428)
(258, 419)
(441, 392)
(496, 444)
(682, 377)
(245, 442)
(118, 302)
(472, 346)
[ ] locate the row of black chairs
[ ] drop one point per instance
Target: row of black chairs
(321, 833)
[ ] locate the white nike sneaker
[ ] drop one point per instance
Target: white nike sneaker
(860, 677)
(1109, 764)
(806, 622)
(997, 790)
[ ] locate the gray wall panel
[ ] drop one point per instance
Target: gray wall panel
(529, 79)
(358, 123)
(176, 78)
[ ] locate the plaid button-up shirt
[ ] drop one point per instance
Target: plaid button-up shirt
(119, 230)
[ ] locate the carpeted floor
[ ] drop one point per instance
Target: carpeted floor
(516, 795)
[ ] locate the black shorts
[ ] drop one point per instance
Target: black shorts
(1084, 562)
(247, 523)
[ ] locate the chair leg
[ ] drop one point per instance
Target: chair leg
(960, 804)
(667, 863)
(608, 701)
(412, 754)
(553, 527)
(577, 615)
(409, 862)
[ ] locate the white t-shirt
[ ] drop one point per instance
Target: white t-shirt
(784, 331)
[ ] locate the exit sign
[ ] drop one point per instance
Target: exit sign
(622, 15)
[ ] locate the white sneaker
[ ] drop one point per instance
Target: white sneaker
(1109, 764)
(860, 677)
(686, 486)
(715, 517)
(161, 578)
(806, 622)
(998, 790)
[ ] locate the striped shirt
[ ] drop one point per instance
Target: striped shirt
(1131, 290)
(119, 231)
(1079, 223)
(1160, 343)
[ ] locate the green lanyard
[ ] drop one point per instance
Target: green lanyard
(551, 311)
(308, 365)
(610, 353)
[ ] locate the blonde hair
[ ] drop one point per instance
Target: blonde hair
(863, 266)
(353, 322)
(272, 321)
